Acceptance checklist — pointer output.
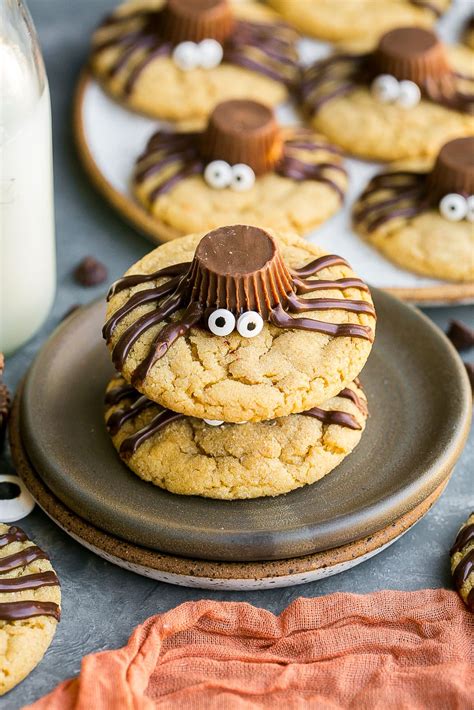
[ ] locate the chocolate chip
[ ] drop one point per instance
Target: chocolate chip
(461, 335)
(470, 373)
(5, 402)
(90, 272)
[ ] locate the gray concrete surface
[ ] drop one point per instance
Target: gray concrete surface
(102, 603)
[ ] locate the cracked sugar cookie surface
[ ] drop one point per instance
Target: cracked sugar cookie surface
(231, 461)
(427, 244)
(462, 562)
(353, 19)
(363, 126)
(236, 379)
(160, 89)
(30, 598)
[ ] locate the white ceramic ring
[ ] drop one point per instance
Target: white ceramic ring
(18, 507)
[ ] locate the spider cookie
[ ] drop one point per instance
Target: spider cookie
(177, 59)
(243, 167)
(423, 220)
(403, 100)
(357, 19)
(462, 562)
(239, 325)
(216, 460)
(30, 600)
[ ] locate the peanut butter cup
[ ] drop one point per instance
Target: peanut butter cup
(195, 20)
(411, 53)
(453, 170)
(242, 131)
(240, 268)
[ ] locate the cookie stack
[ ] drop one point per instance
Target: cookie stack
(238, 353)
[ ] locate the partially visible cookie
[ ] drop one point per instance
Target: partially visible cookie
(30, 599)
(468, 35)
(240, 324)
(176, 59)
(5, 402)
(462, 562)
(403, 100)
(423, 219)
(243, 168)
(189, 456)
(354, 19)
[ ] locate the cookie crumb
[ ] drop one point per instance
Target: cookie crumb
(90, 272)
(461, 335)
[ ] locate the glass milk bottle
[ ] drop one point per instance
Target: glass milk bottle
(27, 245)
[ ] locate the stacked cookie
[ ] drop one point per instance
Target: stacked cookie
(239, 352)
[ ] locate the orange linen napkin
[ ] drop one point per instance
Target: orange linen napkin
(384, 650)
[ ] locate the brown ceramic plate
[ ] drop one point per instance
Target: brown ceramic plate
(420, 403)
(208, 574)
(100, 125)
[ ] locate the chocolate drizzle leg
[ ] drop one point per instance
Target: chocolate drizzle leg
(141, 36)
(239, 269)
(407, 53)
(164, 417)
(25, 609)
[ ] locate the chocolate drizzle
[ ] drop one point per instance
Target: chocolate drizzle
(238, 268)
(391, 195)
(464, 537)
(14, 534)
(25, 609)
(16, 611)
(29, 581)
(134, 404)
(304, 156)
(465, 566)
(340, 74)
(140, 37)
(22, 558)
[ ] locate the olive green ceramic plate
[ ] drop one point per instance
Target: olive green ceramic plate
(420, 404)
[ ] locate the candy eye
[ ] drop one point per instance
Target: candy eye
(221, 322)
(453, 207)
(186, 56)
(243, 177)
(385, 88)
(409, 94)
(218, 174)
(210, 53)
(250, 324)
(470, 208)
(15, 501)
(213, 422)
